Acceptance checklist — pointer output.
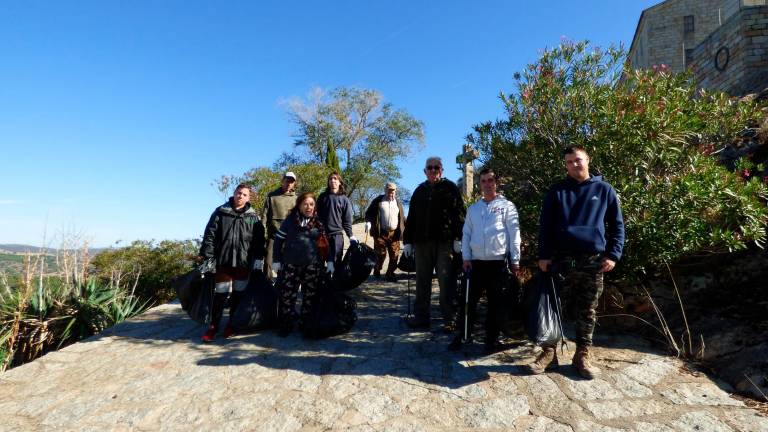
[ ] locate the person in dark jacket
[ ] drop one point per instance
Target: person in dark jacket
(297, 256)
(432, 233)
(581, 236)
(234, 242)
(278, 204)
(385, 220)
(335, 213)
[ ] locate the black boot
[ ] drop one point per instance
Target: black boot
(234, 301)
(217, 310)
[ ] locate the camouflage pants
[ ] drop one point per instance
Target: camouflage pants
(383, 245)
(582, 287)
(293, 278)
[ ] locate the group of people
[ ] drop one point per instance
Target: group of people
(581, 237)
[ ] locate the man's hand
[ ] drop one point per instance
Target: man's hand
(608, 265)
(353, 240)
(329, 267)
(456, 246)
(408, 250)
(467, 266)
(515, 269)
(258, 265)
(367, 227)
(544, 265)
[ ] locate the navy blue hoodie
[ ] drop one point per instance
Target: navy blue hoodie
(581, 218)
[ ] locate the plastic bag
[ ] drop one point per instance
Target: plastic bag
(356, 266)
(544, 321)
(332, 313)
(257, 309)
(195, 291)
(407, 263)
(511, 312)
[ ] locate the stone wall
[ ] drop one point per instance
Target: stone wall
(661, 37)
(734, 58)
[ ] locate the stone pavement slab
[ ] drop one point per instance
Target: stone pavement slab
(152, 373)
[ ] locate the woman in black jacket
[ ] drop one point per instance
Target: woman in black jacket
(298, 257)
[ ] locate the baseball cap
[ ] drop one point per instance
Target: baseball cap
(290, 174)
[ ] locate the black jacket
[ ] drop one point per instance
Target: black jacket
(372, 216)
(233, 238)
(436, 213)
(295, 244)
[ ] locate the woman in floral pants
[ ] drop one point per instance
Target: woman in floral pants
(297, 255)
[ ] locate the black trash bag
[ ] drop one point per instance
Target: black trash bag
(183, 286)
(258, 306)
(356, 266)
(511, 312)
(544, 321)
(195, 291)
(407, 263)
(332, 313)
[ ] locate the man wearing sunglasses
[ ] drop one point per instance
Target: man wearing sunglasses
(433, 233)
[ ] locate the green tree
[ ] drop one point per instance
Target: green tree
(371, 136)
(650, 133)
(331, 159)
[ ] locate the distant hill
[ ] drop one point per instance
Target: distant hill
(21, 248)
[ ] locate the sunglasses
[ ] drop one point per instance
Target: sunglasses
(434, 167)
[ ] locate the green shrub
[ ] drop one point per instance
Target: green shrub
(649, 133)
(146, 267)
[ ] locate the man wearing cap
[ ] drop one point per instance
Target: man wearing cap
(276, 208)
(385, 220)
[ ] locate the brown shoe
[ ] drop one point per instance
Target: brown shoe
(546, 360)
(582, 363)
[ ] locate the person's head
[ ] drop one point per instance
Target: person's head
(577, 162)
(305, 204)
(433, 169)
(390, 190)
(488, 183)
(336, 184)
(288, 182)
(241, 196)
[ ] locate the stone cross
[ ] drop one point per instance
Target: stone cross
(468, 170)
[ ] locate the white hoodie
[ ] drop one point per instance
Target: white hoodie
(491, 231)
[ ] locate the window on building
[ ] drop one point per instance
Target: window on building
(688, 57)
(688, 26)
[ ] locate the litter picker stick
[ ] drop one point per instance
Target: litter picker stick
(409, 294)
(563, 344)
(465, 337)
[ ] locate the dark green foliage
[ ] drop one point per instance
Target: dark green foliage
(331, 159)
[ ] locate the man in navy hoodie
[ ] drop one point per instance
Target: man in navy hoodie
(582, 236)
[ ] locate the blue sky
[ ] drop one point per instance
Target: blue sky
(115, 117)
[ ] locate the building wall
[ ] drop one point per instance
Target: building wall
(661, 39)
(734, 58)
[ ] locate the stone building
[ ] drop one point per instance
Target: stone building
(723, 42)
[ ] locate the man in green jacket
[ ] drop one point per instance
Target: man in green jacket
(276, 208)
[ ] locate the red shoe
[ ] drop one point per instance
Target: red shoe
(210, 334)
(228, 331)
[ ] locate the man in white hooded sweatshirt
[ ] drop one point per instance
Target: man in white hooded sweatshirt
(490, 240)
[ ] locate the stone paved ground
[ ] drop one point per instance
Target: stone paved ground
(151, 373)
